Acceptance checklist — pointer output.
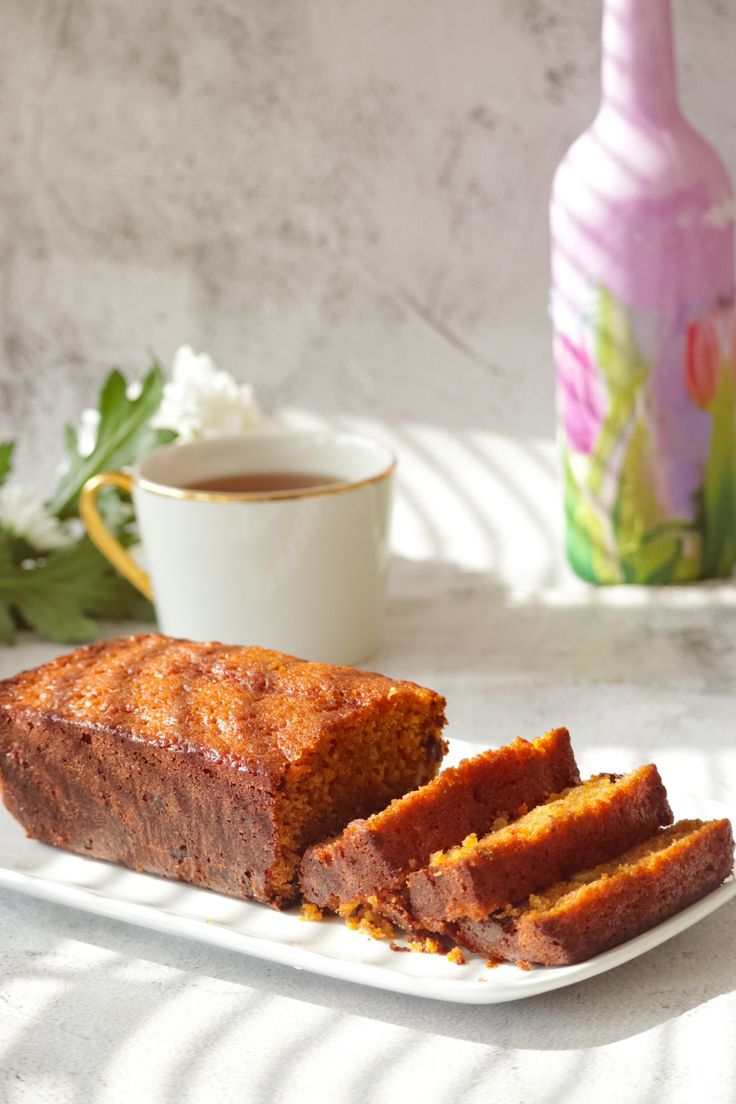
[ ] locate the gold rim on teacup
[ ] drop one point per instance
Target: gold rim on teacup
(264, 496)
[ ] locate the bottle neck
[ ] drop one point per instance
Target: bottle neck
(638, 63)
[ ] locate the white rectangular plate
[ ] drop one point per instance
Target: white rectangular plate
(327, 948)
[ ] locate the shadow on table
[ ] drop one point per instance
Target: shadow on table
(98, 1015)
(454, 628)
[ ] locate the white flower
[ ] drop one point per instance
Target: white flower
(200, 400)
(203, 401)
(89, 424)
(27, 518)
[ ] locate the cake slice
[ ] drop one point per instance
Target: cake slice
(584, 825)
(376, 854)
(215, 765)
(599, 908)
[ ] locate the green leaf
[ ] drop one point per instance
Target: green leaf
(60, 594)
(663, 557)
(637, 507)
(577, 539)
(71, 444)
(589, 551)
(7, 562)
(625, 371)
(653, 562)
(617, 351)
(55, 619)
(651, 543)
(719, 488)
(100, 590)
(6, 459)
(124, 435)
(7, 626)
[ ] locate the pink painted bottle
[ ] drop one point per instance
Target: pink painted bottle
(642, 217)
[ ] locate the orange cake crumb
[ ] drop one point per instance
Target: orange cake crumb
(426, 945)
(360, 917)
(311, 912)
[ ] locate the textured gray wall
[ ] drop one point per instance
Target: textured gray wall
(343, 200)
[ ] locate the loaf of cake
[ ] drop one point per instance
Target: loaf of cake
(211, 764)
(602, 907)
(376, 854)
(583, 826)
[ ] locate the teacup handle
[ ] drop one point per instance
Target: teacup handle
(100, 535)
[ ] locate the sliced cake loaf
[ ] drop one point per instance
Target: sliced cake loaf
(376, 854)
(214, 764)
(601, 907)
(585, 825)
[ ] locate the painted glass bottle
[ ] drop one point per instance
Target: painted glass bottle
(642, 217)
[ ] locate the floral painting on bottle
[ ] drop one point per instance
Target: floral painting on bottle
(639, 510)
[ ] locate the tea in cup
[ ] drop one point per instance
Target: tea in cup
(278, 538)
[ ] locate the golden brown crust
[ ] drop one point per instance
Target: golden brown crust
(586, 825)
(373, 855)
(250, 756)
(249, 705)
(608, 906)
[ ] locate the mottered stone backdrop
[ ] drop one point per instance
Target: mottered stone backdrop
(344, 201)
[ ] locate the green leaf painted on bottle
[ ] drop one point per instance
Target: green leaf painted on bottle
(654, 561)
(616, 349)
(650, 545)
(637, 505)
(659, 562)
(593, 540)
(588, 539)
(578, 538)
(625, 371)
(719, 487)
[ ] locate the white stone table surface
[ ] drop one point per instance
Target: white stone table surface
(480, 608)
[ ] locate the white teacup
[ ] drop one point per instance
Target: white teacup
(301, 569)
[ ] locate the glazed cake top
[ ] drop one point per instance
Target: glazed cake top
(247, 704)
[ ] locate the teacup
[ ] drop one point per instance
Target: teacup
(299, 566)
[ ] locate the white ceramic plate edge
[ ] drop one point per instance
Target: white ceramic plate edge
(64, 878)
(522, 984)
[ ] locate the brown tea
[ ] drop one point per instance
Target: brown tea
(264, 482)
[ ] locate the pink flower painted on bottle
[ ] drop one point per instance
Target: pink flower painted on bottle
(710, 351)
(581, 396)
(710, 379)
